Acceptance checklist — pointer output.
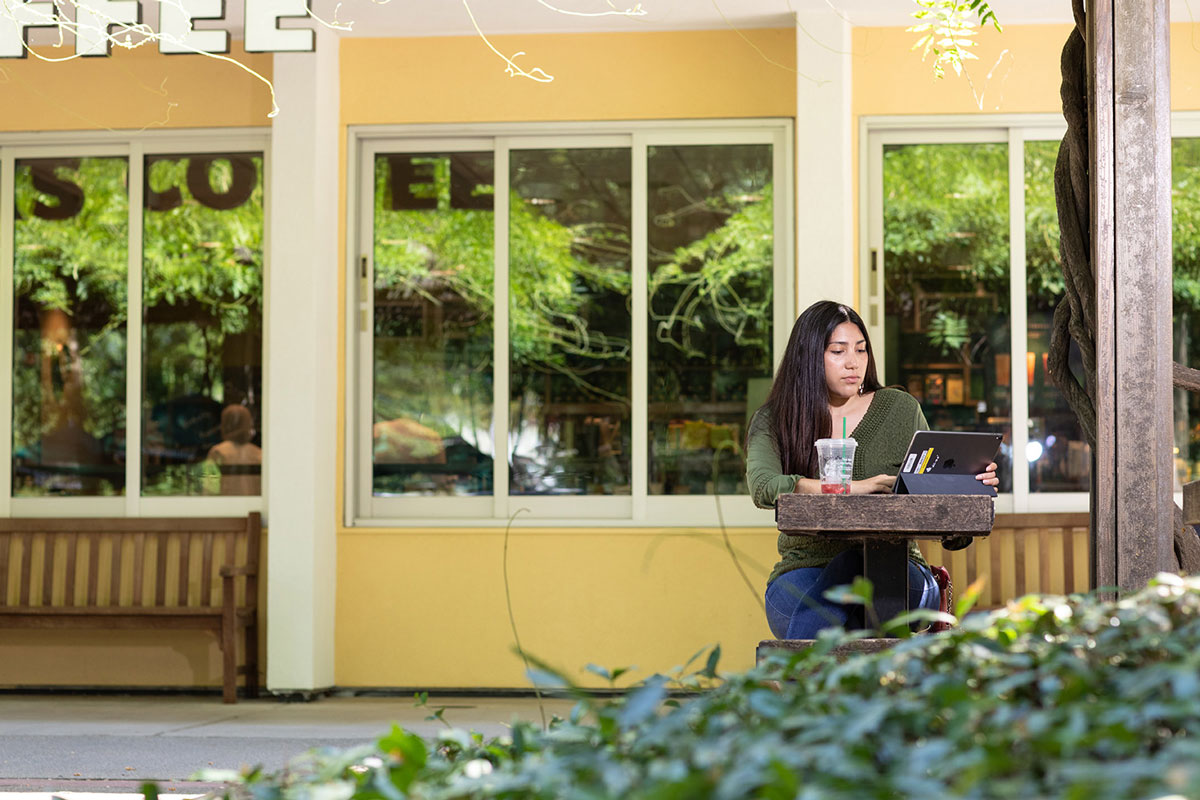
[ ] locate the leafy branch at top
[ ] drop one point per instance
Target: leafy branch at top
(947, 28)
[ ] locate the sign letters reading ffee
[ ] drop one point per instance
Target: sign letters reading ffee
(95, 18)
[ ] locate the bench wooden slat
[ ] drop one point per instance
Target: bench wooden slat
(185, 555)
(93, 568)
(115, 569)
(1068, 551)
(69, 570)
(101, 611)
(1019, 547)
(1044, 559)
(995, 592)
(48, 555)
(26, 576)
(230, 555)
(4, 549)
(206, 569)
(119, 524)
(160, 572)
(139, 570)
(253, 545)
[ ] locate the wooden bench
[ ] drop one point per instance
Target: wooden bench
(884, 525)
(152, 574)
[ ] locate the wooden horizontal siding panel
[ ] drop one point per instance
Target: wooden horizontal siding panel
(123, 524)
(1044, 520)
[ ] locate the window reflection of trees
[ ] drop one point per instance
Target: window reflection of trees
(1058, 455)
(70, 314)
(569, 236)
(202, 297)
(1185, 201)
(202, 324)
(432, 353)
(946, 330)
(569, 263)
(711, 256)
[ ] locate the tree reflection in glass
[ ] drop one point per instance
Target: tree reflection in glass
(202, 340)
(711, 256)
(1059, 457)
(946, 330)
(433, 295)
(569, 275)
(1185, 230)
(69, 316)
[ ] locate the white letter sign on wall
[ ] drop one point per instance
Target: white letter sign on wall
(93, 18)
(175, 26)
(15, 24)
(263, 34)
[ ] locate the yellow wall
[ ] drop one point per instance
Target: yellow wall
(693, 74)
(1016, 72)
(426, 608)
(132, 89)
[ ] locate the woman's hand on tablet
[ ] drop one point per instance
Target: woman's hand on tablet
(878, 484)
(988, 476)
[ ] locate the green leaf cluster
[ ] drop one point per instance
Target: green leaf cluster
(947, 29)
(1065, 697)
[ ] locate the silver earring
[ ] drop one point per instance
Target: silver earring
(860, 388)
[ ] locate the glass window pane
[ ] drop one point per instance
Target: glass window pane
(69, 315)
(1185, 201)
(1059, 457)
(711, 256)
(569, 323)
(202, 325)
(946, 334)
(432, 355)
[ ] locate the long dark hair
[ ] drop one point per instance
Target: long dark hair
(798, 404)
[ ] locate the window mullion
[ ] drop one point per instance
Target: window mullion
(7, 232)
(500, 353)
(133, 337)
(639, 332)
(1019, 337)
(363, 327)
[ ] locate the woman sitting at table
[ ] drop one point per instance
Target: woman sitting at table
(825, 381)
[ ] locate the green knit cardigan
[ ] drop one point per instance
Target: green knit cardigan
(883, 436)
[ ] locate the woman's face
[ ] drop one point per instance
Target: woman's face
(845, 361)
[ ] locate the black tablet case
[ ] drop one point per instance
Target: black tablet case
(940, 483)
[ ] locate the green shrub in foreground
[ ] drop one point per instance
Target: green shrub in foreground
(1051, 697)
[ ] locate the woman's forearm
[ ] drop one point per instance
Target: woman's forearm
(807, 486)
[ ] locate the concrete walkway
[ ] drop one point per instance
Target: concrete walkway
(65, 744)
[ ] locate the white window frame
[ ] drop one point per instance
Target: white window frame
(134, 148)
(634, 510)
(1013, 130)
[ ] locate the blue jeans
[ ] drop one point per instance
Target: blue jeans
(796, 604)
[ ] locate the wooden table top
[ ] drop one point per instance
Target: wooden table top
(882, 516)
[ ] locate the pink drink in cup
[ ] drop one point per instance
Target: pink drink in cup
(835, 460)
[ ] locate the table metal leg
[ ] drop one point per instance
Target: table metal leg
(885, 565)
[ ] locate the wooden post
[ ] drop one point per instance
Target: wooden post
(1130, 130)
